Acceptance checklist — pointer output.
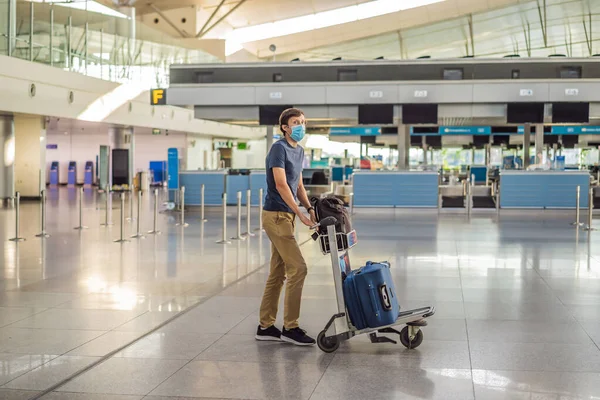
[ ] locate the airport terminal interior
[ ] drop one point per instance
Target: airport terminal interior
(456, 142)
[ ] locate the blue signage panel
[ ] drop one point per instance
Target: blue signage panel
(465, 130)
(51, 146)
(575, 130)
(355, 131)
(173, 169)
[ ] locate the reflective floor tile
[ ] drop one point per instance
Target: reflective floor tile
(87, 396)
(526, 332)
(51, 373)
(15, 365)
(199, 323)
(343, 382)
(118, 301)
(585, 313)
(147, 321)
(518, 311)
(8, 394)
(43, 341)
(536, 357)
(431, 354)
(124, 376)
(77, 319)
(245, 348)
(227, 305)
(243, 380)
(8, 315)
(526, 385)
(34, 300)
(170, 345)
(102, 345)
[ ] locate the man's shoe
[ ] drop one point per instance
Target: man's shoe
(297, 336)
(270, 334)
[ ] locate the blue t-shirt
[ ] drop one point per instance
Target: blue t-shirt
(283, 155)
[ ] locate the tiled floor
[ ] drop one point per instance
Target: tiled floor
(517, 297)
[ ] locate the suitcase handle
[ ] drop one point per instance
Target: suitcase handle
(386, 300)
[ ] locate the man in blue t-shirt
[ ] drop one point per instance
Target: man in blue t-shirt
(284, 186)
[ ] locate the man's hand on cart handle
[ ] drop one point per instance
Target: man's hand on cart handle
(325, 222)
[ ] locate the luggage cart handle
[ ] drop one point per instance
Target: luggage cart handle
(325, 222)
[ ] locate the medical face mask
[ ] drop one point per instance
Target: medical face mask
(298, 132)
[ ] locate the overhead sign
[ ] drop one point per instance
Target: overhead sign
(465, 130)
(355, 131)
(51, 147)
(156, 131)
(575, 130)
(158, 97)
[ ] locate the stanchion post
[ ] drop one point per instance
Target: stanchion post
(248, 232)
(108, 194)
(17, 237)
(122, 238)
(224, 239)
(239, 235)
(80, 227)
(471, 187)
(260, 211)
(497, 197)
(138, 234)
(155, 230)
(130, 218)
(351, 205)
(577, 208)
(43, 234)
(589, 227)
(202, 218)
(182, 204)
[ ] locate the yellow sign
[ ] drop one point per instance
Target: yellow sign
(158, 97)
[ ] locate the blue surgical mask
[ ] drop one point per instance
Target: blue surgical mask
(298, 132)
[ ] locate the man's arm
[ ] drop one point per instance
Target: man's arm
(303, 197)
(287, 196)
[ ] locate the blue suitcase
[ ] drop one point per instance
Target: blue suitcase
(370, 296)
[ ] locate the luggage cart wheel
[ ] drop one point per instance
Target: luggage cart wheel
(327, 344)
(407, 341)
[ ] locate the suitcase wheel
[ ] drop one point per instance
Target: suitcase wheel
(407, 341)
(327, 344)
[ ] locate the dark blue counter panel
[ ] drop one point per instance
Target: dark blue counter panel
(543, 189)
(237, 183)
(214, 186)
(396, 189)
(258, 180)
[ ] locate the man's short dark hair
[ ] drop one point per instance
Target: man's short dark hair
(286, 115)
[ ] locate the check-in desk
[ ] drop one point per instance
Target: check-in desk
(543, 189)
(407, 189)
(214, 186)
(218, 182)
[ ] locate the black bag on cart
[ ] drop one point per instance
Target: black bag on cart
(332, 207)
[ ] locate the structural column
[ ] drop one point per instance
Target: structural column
(30, 154)
(526, 145)
(539, 143)
(126, 28)
(403, 146)
(7, 157)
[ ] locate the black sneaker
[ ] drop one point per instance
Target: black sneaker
(297, 336)
(270, 334)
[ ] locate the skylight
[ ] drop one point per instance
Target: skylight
(237, 37)
(92, 6)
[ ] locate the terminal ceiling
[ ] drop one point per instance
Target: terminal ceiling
(440, 28)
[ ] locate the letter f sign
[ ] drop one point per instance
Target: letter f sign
(158, 97)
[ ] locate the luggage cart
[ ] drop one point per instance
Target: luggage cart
(339, 327)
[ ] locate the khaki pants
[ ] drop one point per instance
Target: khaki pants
(286, 262)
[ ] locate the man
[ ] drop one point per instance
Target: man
(284, 186)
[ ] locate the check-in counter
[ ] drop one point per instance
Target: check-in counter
(543, 189)
(219, 182)
(408, 189)
(214, 186)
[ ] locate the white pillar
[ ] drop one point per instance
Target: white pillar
(269, 137)
(30, 154)
(403, 146)
(7, 157)
(539, 143)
